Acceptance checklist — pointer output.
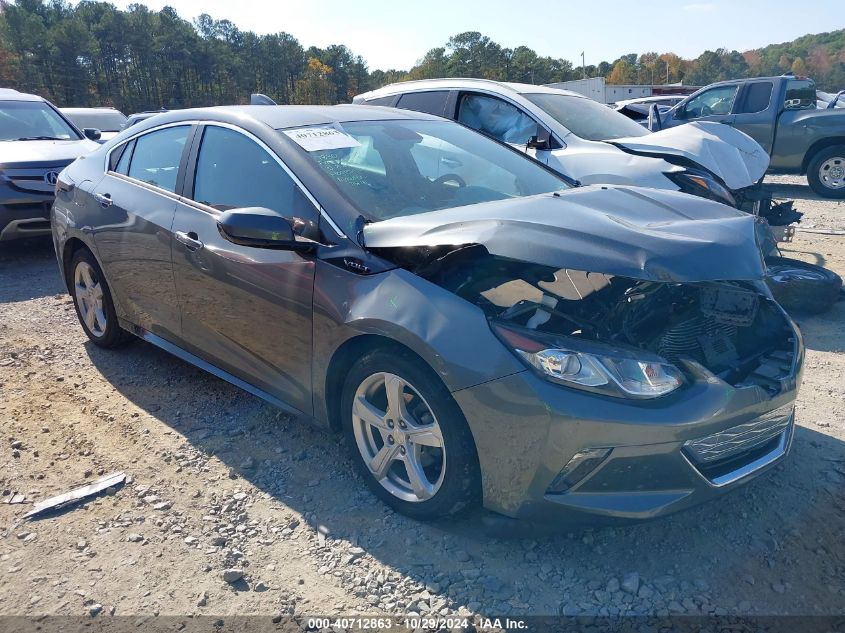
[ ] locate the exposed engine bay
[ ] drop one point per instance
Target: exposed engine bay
(726, 327)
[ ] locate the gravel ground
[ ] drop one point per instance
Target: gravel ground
(235, 508)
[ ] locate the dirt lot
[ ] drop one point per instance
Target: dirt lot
(220, 480)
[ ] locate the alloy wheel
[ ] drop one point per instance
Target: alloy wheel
(399, 437)
(89, 297)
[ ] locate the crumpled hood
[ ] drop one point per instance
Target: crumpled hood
(732, 155)
(633, 232)
(12, 152)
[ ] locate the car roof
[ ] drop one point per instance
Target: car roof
(466, 83)
(290, 116)
(8, 94)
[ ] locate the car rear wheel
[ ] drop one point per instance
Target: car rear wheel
(93, 301)
(408, 438)
(826, 172)
(802, 288)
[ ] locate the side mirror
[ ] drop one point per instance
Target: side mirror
(92, 133)
(260, 228)
(540, 141)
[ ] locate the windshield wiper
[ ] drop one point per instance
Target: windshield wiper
(40, 138)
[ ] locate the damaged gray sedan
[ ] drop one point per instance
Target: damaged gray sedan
(479, 330)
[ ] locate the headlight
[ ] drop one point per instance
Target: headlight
(615, 371)
(703, 185)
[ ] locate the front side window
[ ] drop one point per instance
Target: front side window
(496, 118)
(586, 118)
(234, 172)
(32, 120)
(156, 157)
(402, 167)
(716, 101)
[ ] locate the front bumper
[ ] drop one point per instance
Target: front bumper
(527, 429)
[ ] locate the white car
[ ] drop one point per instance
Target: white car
(588, 141)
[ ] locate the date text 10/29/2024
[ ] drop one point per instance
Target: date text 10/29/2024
(413, 623)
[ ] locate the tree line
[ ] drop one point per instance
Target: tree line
(92, 54)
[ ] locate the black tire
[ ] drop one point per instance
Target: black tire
(802, 288)
(816, 167)
(460, 489)
(112, 335)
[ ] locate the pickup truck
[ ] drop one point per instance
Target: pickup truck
(781, 114)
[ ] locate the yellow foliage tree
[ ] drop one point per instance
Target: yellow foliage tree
(315, 86)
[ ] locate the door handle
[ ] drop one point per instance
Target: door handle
(104, 199)
(190, 240)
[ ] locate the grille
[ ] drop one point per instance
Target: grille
(740, 440)
(32, 179)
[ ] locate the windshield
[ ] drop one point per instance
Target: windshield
(397, 168)
(103, 121)
(586, 118)
(32, 120)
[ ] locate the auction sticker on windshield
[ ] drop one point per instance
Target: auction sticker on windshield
(313, 139)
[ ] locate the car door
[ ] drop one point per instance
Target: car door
(138, 200)
(501, 120)
(246, 310)
(755, 111)
(714, 104)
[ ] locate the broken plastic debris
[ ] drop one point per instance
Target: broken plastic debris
(88, 490)
(16, 499)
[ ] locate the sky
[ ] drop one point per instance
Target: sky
(397, 33)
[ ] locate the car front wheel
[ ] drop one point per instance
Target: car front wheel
(409, 440)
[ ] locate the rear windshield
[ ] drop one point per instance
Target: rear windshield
(103, 121)
(586, 118)
(395, 168)
(32, 120)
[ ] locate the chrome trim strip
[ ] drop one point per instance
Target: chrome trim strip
(750, 468)
(320, 210)
(761, 462)
(141, 133)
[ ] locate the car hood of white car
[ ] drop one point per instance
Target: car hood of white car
(732, 155)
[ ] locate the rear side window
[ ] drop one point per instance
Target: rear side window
(234, 172)
(800, 94)
(120, 156)
(381, 101)
(757, 97)
(431, 102)
(155, 159)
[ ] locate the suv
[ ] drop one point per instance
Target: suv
(588, 141)
(36, 143)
